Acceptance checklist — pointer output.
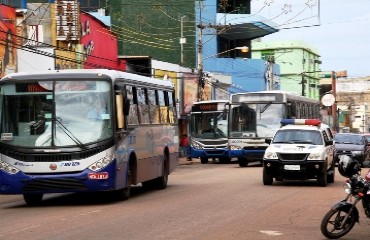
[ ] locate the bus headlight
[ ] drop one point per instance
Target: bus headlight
(8, 168)
(234, 147)
(314, 156)
(270, 155)
(196, 145)
(101, 163)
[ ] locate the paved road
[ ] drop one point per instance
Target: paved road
(202, 201)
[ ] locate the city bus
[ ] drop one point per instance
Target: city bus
(255, 116)
(85, 130)
(208, 128)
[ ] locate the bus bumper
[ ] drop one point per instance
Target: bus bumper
(209, 153)
(84, 181)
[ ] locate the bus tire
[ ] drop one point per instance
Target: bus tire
(124, 193)
(33, 199)
(242, 162)
(203, 160)
(161, 182)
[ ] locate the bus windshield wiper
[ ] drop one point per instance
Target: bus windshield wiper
(69, 133)
(265, 107)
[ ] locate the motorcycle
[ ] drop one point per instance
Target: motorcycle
(343, 215)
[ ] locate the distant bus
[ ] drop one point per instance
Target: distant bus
(255, 116)
(208, 128)
(85, 130)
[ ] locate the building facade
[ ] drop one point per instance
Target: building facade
(299, 65)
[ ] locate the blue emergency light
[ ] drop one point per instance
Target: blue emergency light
(313, 122)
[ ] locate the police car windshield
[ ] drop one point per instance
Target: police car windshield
(294, 136)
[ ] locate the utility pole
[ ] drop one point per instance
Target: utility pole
(201, 79)
(271, 62)
(303, 84)
(182, 40)
(334, 106)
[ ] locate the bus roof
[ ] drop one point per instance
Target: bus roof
(269, 96)
(79, 73)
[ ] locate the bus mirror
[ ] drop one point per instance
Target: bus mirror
(224, 114)
(126, 107)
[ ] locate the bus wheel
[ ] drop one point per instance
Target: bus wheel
(204, 160)
(242, 162)
(124, 193)
(161, 182)
(33, 199)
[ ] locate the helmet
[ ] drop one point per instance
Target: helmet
(348, 166)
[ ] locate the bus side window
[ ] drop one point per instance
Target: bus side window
(133, 118)
(142, 98)
(119, 110)
(153, 106)
(163, 106)
(172, 113)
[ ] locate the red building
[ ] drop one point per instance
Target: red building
(99, 44)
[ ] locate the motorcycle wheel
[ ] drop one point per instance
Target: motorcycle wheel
(330, 225)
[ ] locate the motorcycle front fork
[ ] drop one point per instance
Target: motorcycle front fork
(357, 199)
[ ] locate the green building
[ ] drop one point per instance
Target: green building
(299, 65)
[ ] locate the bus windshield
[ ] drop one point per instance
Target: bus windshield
(260, 120)
(209, 125)
(55, 113)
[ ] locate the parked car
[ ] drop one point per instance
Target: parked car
(351, 144)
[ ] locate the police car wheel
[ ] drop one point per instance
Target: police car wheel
(331, 174)
(322, 179)
(267, 178)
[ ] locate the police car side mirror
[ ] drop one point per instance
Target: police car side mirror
(329, 142)
(268, 140)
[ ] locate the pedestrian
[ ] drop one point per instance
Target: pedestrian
(185, 146)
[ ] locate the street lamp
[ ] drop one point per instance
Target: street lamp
(201, 80)
(243, 49)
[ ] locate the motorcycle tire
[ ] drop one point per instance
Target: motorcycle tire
(330, 224)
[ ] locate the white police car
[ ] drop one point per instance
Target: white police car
(301, 149)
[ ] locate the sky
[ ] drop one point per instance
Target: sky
(338, 29)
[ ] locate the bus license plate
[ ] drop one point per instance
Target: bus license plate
(292, 167)
(102, 175)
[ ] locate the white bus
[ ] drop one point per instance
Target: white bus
(255, 116)
(85, 130)
(208, 128)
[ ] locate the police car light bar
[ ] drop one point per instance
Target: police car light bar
(314, 122)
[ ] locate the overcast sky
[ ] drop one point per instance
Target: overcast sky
(339, 30)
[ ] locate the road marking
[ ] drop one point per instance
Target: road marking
(20, 230)
(271, 233)
(81, 214)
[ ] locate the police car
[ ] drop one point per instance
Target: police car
(302, 149)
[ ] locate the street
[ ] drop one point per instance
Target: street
(202, 201)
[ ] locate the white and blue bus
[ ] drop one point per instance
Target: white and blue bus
(255, 116)
(208, 128)
(85, 130)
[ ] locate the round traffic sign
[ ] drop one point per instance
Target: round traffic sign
(328, 100)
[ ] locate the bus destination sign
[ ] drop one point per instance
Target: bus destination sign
(204, 107)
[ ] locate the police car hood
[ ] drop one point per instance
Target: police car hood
(296, 148)
(348, 147)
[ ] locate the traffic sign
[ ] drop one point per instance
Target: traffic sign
(328, 100)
